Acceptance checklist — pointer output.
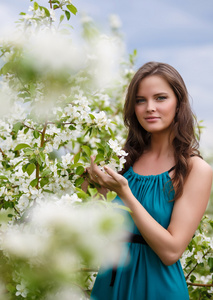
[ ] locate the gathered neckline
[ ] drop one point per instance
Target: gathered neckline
(146, 176)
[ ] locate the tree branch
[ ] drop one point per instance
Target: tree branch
(200, 284)
(195, 266)
(2, 152)
(41, 145)
(31, 128)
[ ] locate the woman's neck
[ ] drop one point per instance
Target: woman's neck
(161, 145)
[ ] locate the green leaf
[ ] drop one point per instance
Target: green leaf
(75, 165)
(21, 146)
(46, 10)
(67, 13)
(26, 130)
(72, 9)
(36, 5)
(77, 157)
(55, 6)
(61, 19)
(71, 127)
(211, 223)
(22, 14)
(192, 278)
(39, 161)
(44, 181)
(42, 155)
(116, 158)
(101, 146)
(28, 151)
(112, 133)
(11, 288)
(17, 126)
(87, 150)
(100, 151)
(210, 263)
(80, 170)
(36, 134)
(48, 191)
(81, 194)
(99, 158)
(34, 182)
(79, 181)
(92, 116)
(111, 196)
(3, 177)
(7, 68)
(46, 172)
(30, 169)
(92, 191)
(122, 207)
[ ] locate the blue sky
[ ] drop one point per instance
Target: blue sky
(176, 32)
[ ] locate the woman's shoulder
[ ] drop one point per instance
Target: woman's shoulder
(200, 166)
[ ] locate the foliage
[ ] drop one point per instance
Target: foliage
(62, 103)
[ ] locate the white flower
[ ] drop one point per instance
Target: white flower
(115, 21)
(3, 190)
(27, 17)
(122, 161)
(66, 160)
(52, 14)
(70, 199)
(114, 145)
(23, 203)
(101, 119)
(31, 8)
(199, 257)
(21, 290)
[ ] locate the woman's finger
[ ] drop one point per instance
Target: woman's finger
(112, 173)
(95, 169)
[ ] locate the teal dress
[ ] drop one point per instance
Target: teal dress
(140, 274)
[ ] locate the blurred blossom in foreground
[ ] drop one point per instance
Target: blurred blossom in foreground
(61, 236)
(115, 22)
(52, 51)
(6, 94)
(107, 53)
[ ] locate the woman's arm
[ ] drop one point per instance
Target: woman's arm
(170, 243)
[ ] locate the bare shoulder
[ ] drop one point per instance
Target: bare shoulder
(201, 167)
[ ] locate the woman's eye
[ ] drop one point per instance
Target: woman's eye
(140, 100)
(161, 98)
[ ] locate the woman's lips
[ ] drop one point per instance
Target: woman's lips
(152, 119)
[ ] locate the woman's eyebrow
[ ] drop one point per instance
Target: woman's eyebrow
(161, 93)
(155, 95)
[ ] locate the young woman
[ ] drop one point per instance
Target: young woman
(165, 183)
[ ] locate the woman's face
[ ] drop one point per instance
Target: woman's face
(155, 105)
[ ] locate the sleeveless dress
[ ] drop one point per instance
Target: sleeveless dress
(140, 274)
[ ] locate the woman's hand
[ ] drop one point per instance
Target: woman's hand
(110, 180)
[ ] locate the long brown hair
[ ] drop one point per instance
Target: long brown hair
(184, 142)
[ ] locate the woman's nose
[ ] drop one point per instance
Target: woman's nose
(150, 106)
